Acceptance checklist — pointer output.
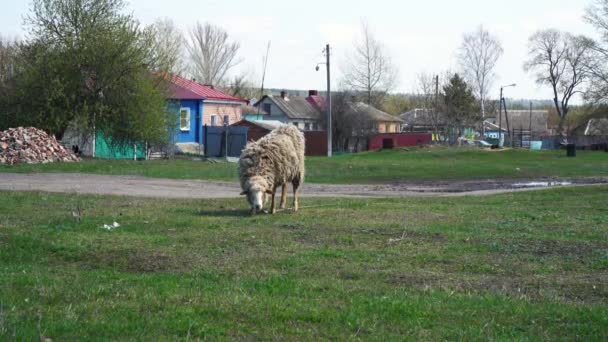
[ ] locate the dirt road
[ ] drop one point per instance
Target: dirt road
(171, 188)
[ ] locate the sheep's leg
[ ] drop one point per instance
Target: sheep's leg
(273, 208)
(296, 188)
(283, 196)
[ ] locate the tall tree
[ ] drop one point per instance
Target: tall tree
(211, 53)
(560, 60)
(459, 103)
(87, 63)
(597, 92)
(478, 55)
(369, 70)
(427, 94)
(167, 46)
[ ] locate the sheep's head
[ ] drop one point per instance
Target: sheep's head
(256, 192)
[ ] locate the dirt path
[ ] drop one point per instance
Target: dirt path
(171, 188)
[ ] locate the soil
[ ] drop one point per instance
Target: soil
(171, 188)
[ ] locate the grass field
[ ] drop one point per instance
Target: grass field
(523, 266)
(398, 165)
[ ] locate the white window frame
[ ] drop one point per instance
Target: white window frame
(213, 122)
(182, 128)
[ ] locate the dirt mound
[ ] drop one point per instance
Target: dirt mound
(31, 146)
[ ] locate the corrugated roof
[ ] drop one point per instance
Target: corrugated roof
(373, 113)
(521, 119)
(185, 89)
(296, 107)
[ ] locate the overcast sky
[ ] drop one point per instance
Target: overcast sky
(420, 36)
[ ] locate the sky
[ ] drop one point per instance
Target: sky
(420, 36)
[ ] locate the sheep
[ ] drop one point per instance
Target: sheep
(272, 161)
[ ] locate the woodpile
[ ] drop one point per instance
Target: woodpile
(32, 146)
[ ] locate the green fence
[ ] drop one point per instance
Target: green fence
(104, 148)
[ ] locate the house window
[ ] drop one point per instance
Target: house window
(307, 127)
(267, 107)
(213, 120)
(226, 120)
(184, 119)
(295, 123)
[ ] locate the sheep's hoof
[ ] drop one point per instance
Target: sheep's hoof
(265, 211)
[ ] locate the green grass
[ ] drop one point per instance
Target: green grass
(385, 166)
(522, 266)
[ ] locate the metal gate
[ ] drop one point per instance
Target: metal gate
(218, 137)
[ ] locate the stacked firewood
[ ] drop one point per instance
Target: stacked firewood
(32, 146)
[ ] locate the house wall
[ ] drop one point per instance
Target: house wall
(389, 127)
(275, 112)
(220, 109)
(375, 142)
(193, 134)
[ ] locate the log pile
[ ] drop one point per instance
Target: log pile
(32, 146)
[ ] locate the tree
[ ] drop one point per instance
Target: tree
(459, 103)
(427, 94)
(86, 63)
(396, 104)
(167, 46)
(369, 70)
(9, 57)
(211, 53)
(597, 92)
(560, 60)
(478, 55)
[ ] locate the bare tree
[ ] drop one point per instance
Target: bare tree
(597, 92)
(167, 45)
(427, 93)
(8, 55)
(212, 54)
(369, 70)
(560, 60)
(478, 55)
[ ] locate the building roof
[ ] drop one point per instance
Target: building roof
(420, 117)
(184, 89)
(521, 119)
(372, 112)
(296, 107)
(597, 127)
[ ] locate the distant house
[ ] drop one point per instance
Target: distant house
(197, 105)
(597, 127)
(252, 113)
(379, 121)
(536, 120)
(422, 120)
(303, 112)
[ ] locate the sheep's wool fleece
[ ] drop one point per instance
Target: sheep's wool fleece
(277, 158)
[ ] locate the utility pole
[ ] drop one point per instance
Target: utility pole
(530, 129)
(436, 109)
(329, 137)
(500, 118)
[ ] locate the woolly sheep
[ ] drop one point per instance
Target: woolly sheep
(272, 161)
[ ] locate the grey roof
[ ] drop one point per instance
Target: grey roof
(295, 107)
(419, 117)
(521, 119)
(597, 127)
(372, 112)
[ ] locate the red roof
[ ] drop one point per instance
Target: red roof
(185, 89)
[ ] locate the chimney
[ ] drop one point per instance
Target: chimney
(193, 79)
(283, 94)
(313, 93)
(209, 85)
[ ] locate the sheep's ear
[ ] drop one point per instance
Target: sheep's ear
(244, 192)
